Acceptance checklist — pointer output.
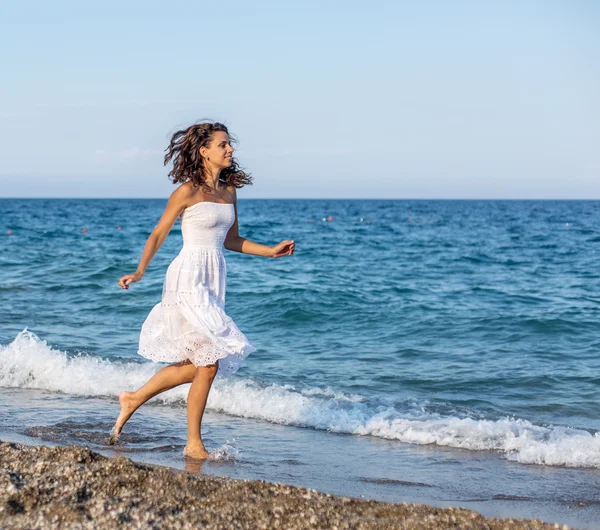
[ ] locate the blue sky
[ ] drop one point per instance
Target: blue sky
(431, 99)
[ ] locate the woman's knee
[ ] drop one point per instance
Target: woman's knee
(210, 370)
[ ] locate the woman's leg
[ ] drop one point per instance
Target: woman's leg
(196, 404)
(165, 379)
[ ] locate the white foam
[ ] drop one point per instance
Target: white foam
(228, 452)
(28, 362)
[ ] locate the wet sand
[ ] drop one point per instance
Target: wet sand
(73, 487)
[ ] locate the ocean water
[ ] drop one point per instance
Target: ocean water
(435, 351)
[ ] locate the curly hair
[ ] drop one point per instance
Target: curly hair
(188, 165)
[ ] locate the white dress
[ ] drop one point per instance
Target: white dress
(190, 321)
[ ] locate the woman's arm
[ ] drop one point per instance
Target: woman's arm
(177, 202)
(233, 240)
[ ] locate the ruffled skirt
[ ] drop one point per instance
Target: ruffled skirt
(190, 322)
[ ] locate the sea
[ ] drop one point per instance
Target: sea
(435, 351)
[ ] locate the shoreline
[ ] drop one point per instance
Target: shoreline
(62, 487)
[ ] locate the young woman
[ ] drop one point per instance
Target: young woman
(190, 327)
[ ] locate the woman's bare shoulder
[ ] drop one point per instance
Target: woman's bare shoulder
(182, 196)
(187, 187)
(184, 191)
(232, 191)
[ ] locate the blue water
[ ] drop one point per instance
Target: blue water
(431, 332)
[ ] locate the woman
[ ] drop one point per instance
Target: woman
(189, 327)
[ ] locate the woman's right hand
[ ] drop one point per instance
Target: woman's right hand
(129, 278)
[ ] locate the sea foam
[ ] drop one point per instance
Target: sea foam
(29, 362)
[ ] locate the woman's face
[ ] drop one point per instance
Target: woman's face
(219, 151)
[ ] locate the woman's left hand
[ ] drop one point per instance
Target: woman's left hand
(285, 248)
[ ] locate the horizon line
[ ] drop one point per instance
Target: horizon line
(319, 198)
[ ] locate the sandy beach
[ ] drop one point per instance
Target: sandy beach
(73, 487)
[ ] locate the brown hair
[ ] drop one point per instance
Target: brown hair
(188, 165)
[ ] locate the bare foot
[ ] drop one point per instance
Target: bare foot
(113, 438)
(196, 451)
(128, 407)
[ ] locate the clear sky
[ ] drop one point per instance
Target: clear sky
(404, 99)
